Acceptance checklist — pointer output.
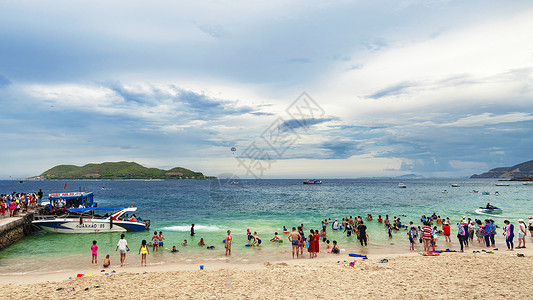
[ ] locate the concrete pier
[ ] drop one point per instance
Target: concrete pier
(15, 228)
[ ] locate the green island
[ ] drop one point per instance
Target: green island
(119, 171)
(520, 172)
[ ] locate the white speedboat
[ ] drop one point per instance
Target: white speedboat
(502, 184)
(402, 185)
(455, 185)
(83, 218)
(527, 183)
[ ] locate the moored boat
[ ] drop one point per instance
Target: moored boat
(455, 185)
(402, 185)
(75, 213)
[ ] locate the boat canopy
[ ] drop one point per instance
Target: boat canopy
(72, 199)
(125, 209)
(92, 208)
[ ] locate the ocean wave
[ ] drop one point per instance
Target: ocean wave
(197, 227)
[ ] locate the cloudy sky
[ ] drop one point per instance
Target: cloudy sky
(436, 88)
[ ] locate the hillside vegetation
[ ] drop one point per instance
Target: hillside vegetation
(119, 170)
(523, 170)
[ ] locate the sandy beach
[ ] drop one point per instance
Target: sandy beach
(405, 276)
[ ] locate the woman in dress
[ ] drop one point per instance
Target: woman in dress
(317, 243)
(311, 240)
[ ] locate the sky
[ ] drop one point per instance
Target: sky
(299, 89)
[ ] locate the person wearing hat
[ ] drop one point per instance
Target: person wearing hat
(530, 225)
(521, 234)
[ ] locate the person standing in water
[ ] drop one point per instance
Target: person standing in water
(155, 242)
(228, 243)
(192, 229)
(294, 238)
(122, 246)
(94, 250)
(143, 251)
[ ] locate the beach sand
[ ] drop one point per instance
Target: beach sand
(406, 276)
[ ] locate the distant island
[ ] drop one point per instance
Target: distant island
(520, 172)
(117, 171)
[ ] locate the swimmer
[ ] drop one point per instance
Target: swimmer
(107, 261)
(285, 230)
(174, 249)
(201, 242)
(276, 237)
(184, 243)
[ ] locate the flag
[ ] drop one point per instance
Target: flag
(65, 186)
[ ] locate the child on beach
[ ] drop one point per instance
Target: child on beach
(328, 247)
(122, 245)
(184, 243)
(335, 249)
(256, 240)
(107, 261)
(143, 251)
(389, 229)
(94, 250)
(161, 238)
(412, 237)
(155, 242)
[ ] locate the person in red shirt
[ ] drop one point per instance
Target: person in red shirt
(427, 234)
(446, 231)
(380, 219)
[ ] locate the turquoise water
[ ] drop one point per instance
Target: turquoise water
(264, 206)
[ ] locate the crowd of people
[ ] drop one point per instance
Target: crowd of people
(17, 202)
(427, 234)
(483, 230)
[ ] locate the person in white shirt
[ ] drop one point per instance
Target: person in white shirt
(521, 234)
(122, 246)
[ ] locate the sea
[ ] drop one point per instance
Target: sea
(263, 206)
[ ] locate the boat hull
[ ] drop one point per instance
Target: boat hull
(71, 225)
(491, 211)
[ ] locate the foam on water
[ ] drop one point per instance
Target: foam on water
(197, 228)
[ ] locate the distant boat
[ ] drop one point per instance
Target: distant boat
(402, 185)
(497, 193)
(485, 193)
(455, 185)
(502, 184)
(527, 183)
(234, 182)
(445, 192)
(474, 191)
(313, 182)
